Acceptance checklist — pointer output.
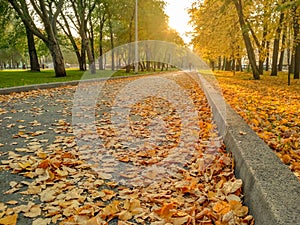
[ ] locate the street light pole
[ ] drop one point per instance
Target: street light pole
(136, 66)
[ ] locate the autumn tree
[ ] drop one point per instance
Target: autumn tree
(247, 40)
(47, 12)
(213, 38)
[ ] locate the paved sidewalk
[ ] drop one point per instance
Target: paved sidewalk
(48, 177)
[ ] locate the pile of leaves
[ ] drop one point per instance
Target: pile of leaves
(271, 108)
(64, 184)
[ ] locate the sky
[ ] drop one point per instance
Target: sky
(178, 16)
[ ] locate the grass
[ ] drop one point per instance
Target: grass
(13, 78)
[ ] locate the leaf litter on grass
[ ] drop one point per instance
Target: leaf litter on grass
(62, 186)
(272, 109)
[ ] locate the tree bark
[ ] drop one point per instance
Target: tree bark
(246, 37)
(101, 27)
(57, 57)
(112, 45)
(297, 44)
(34, 61)
(268, 56)
(276, 46)
(281, 58)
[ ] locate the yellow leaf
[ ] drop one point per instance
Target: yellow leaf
(238, 209)
(125, 215)
(34, 211)
(9, 220)
(222, 207)
(12, 202)
(111, 209)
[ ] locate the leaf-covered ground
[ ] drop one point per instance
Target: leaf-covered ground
(271, 108)
(46, 178)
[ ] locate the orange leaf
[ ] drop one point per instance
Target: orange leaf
(44, 164)
(221, 207)
(166, 211)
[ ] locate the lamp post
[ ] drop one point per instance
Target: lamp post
(136, 50)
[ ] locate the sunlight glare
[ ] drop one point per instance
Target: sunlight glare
(178, 16)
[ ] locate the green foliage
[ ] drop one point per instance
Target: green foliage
(13, 45)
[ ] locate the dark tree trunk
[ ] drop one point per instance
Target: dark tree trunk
(228, 66)
(281, 58)
(297, 62)
(268, 56)
(82, 62)
(261, 66)
(101, 67)
(246, 37)
(224, 63)
(297, 44)
(276, 47)
(58, 60)
(239, 66)
(219, 63)
(262, 49)
(34, 61)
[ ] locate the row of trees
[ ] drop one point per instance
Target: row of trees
(88, 27)
(263, 30)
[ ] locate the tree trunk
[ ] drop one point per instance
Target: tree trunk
(276, 46)
(246, 37)
(91, 48)
(239, 66)
(228, 66)
(224, 63)
(82, 63)
(261, 66)
(281, 58)
(219, 63)
(268, 56)
(297, 44)
(57, 57)
(112, 45)
(101, 67)
(297, 62)
(34, 61)
(262, 48)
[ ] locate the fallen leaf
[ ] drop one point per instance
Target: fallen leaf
(41, 221)
(33, 212)
(9, 220)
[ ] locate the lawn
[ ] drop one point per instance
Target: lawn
(271, 108)
(12, 78)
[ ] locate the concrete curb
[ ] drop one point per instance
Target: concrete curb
(271, 190)
(6, 91)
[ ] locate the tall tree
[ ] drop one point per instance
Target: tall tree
(296, 20)
(277, 44)
(47, 11)
(213, 38)
(33, 58)
(248, 44)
